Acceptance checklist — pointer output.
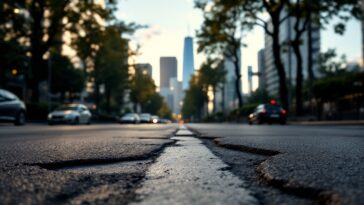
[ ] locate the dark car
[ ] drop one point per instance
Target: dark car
(11, 108)
(145, 118)
(130, 118)
(268, 113)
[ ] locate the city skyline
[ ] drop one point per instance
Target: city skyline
(167, 30)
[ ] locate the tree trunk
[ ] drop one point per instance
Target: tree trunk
(238, 77)
(108, 96)
(278, 62)
(299, 77)
(37, 56)
(214, 100)
(311, 74)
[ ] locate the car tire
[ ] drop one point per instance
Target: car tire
(50, 123)
(77, 121)
(20, 118)
(89, 122)
(283, 122)
(260, 121)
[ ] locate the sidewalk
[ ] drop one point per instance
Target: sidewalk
(341, 122)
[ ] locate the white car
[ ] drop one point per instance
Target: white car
(70, 114)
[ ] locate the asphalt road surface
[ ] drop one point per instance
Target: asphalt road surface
(152, 164)
(311, 164)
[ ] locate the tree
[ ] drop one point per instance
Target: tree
(194, 100)
(142, 88)
(212, 73)
(65, 78)
(246, 12)
(111, 67)
(221, 34)
(305, 13)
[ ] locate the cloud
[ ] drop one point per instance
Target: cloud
(147, 34)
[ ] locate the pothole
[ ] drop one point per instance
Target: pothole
(114, 168)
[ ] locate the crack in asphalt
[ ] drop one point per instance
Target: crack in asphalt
(322, 196)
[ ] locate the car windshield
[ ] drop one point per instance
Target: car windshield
(273, 107)
(65, 108)
(145, 115)
(129, 115)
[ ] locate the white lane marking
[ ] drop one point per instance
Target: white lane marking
(183, 132)
(189, 173)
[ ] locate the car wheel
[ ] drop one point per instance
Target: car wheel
(250, 122)
(50, 123)
(260, 121)
(89, 122)
(283, 122)
(20, 118)
(77, 121)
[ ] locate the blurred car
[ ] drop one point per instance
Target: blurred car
(11, 108)
(70, 114)
(145, 118)
(155, 119)
(268, 113)
(130, 118)
(164, 121)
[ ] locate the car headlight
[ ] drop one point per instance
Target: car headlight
(49, 115)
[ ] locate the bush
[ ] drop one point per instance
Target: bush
(39, 111)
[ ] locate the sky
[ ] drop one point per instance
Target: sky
(170, 21)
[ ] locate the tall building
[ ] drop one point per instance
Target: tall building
(250, 79)
(188, 61)
(177, 94)
(170, 87)
(144, 68)
(288, 58)
(226, 98)
(261, 68)
(362, 31)
(168, 70)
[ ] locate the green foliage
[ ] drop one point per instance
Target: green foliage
(142, 88)
(194, 100)
(157, 106)
(334, 87)
(259, 96)
(111, 69)
(329, 65)
(39, 111)
(65, 78)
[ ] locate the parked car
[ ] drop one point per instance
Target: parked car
(145, 118)
(11, 108)
(130, 118)
(155, 119)
(70, 114)
(268, 113)
(165, 121)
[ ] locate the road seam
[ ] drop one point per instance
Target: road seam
(291, 187)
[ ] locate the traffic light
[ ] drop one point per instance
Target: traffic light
(14, 72)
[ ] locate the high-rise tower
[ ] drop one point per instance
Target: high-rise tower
(188, 61)
(168, 70)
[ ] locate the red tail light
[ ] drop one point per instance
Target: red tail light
(264, 111)
(283, 111)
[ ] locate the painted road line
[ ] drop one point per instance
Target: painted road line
(189, 173)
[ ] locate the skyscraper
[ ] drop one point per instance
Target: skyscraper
(288, 57)
(250, 79)
(168, 70)
(261, 69)
(188, 62)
